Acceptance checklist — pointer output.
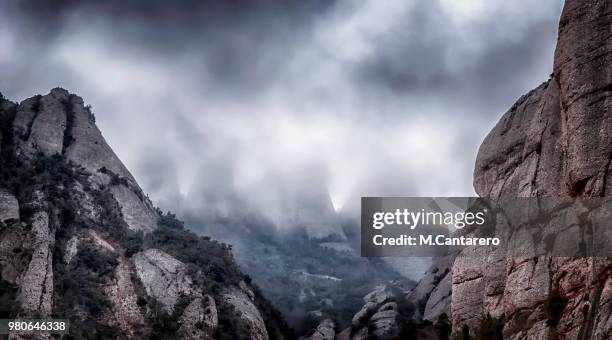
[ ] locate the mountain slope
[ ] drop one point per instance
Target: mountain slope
(80, 240)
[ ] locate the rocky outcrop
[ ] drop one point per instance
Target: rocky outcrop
(9, 207)
(136, 212)
(164, 277)
(555, 141)
(36, 284)
(59, 123)
(40, 124)
(431, 296)
(199, 319)
(86, 146)
(125, 312)
(383, 324)
(378, 318)
(240, 300)
(325, 331)
(373, 301)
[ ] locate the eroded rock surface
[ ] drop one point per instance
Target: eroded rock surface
(9, 207)
(555, 141)
(243, 304)
(36, 285)
(59, 123)
(199, 319)
(164, 277)
(136, 213)
(325, 331)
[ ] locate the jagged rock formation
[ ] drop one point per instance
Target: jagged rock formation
(199, 320)
(242, 300)
(378, 318)
(164, 277)
(325, 331)
(431, 297)
(80, 240)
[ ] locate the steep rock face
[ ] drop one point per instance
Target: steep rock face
(582, 58)
(60, 124)
(164, 277)
(242, 302)
(137, 213)
(199, 320)
(9, 207)
(86, 146)
(430, 298)
(555, 141)
(325, 331)
(40, 124)
(378, 318)
(36, 284)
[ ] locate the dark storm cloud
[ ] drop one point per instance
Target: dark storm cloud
(413, 56)
(238, 43)
(236, 99)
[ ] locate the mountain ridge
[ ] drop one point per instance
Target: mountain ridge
(80, 240)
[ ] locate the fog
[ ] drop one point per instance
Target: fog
(235, 106)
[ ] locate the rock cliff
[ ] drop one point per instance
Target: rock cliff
(80, 240)
(555, 141)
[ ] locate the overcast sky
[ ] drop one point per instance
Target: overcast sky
(247, 98)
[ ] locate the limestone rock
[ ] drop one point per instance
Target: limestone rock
(249, 313)
(325, 331)
(59, 123)
(440, 299)
(431, 281)
(126, 314)
(88, 148)
(136, 213)
(36, 286)
(9, 207)
(199, 319)
(40, 124)
(164, 277)
(555, 141)
(373, 301)
(383, 324)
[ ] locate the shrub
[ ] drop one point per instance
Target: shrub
(490, 328)
(554, 305)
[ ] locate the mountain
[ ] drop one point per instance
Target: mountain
(80, 240)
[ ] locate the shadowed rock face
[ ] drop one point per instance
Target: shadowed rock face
(555, 141)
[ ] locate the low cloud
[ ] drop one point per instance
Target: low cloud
(213, 103)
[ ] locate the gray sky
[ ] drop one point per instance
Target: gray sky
(245, 101)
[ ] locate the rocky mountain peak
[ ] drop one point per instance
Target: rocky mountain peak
(80, 240)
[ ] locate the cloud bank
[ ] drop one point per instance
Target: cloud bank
(228, 105)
